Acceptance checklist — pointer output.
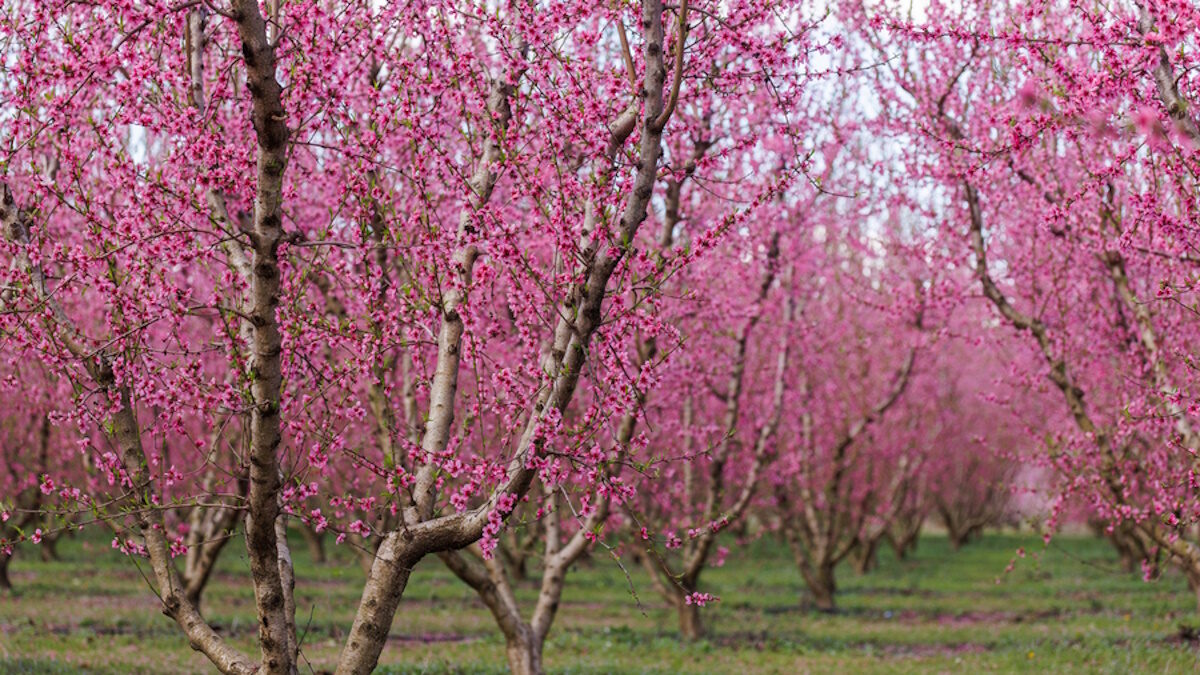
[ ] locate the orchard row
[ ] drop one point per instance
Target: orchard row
(501, 282)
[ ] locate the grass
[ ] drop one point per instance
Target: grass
(1065, 608)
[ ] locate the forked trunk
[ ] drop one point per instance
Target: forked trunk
(520, 569)
(865, 556)
(1134, 553)
(958, 538)
(903, 540)
(1129, 561)
(205, 542)
(516, 559)
(196, 573)
(524, 640)
(195, 589)
(823, 586)
(524, 652)
(958, 530)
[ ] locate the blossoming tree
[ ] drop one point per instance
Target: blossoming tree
(350, 263)
(1064, 147)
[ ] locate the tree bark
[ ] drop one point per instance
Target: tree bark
(1132, 548)
(316, 544)
(957, 539)
(195, 578)
(1192, 573)
(5, 581)
(822, 585)
(958, 532)
(381, 594)
(677, 587)
(903, 539)
(1185, 553)
(523, 641)
(516, 550)
(125, 434)
(1129, 562)
(48, 549)
(523, 650)
(263, 544)
(691, 624)
(903, 548)
(865, 556)
(580, 317)
(211, 529)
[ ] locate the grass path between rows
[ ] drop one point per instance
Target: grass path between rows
(1065, 608)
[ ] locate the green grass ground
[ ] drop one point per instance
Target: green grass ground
(1066, 609)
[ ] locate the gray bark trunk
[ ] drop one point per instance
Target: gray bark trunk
(523, 650)
(691, 624)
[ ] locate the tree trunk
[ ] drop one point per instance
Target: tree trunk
(49, 548)
(1129, 558)
(1192, 573)
(1132, 551)
(903, 538)
(865, 557)
(958, 538)
(823, 586)
(520, 569)
(902, 546)
(1129, 562)
(957, 531)
(316, 544)
(194, 589)
(691, 627)
(205, 543)
(524, 652)
(524, 641)
(516, 559)
(5, 582)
